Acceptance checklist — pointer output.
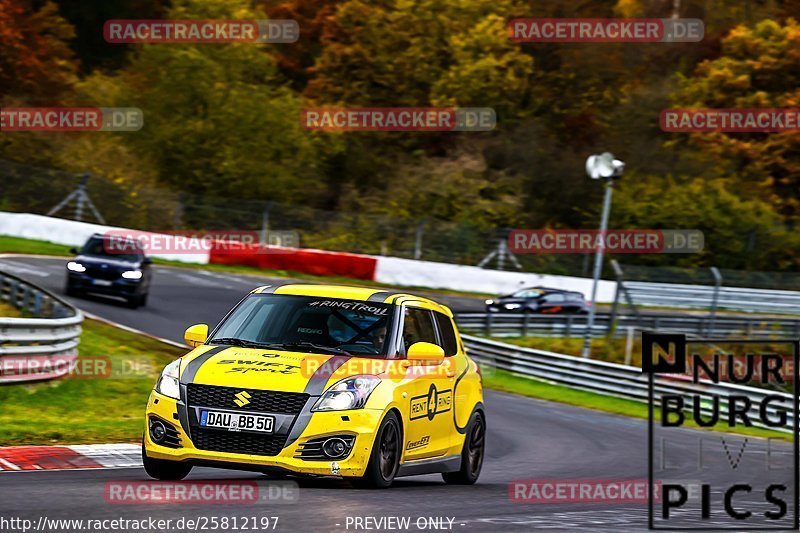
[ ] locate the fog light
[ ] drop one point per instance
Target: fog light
(157, 431)
(334, 447)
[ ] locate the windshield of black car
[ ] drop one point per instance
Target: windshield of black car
(308, 323)
(526, 293)
(100, 247)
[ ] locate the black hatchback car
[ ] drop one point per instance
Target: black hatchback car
(540, 300)
(98, 268)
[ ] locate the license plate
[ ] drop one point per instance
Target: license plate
(236, 421)
(102, 282)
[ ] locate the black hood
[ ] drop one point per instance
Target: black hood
(119, 263)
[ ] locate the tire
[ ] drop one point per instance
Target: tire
(69, 290)
(471, 454)
(143, 299)
(136, 300)
(384, 461)
(164, 470)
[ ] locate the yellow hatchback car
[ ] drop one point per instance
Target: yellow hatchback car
(323, 380)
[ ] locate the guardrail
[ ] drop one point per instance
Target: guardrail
(43, 343)
(703, 297)
(522, 325)
(611, 379)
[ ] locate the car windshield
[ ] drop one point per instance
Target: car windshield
(100, 247)
(527, 293)
(308, 323)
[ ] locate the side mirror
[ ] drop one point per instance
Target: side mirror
(147, 261)
(73, 251)
(196, 335)
(425, 352)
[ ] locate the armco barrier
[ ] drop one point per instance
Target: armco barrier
(702, 297)
(523, 325)
(43, 346)
(609, 379)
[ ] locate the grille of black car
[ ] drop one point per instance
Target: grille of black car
(236, 442)
(102, 273)
(260, 400)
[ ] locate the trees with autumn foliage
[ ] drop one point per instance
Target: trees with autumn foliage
(223, 120)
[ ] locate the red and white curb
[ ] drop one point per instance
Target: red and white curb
(81, 456)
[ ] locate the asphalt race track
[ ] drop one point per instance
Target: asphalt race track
(179, 297)
(527, 439)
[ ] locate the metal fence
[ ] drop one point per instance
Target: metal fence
(43, 343)
(523, 325)
(610, 379)
(707, 297)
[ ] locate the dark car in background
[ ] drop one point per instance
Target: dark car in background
(540, 300)
(121, 270)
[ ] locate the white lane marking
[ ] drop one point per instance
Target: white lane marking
(27, 269)
(229, 277)
(205, 282)
(9, 465)
(111, 455)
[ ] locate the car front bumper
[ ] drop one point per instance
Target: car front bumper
(361, 423)
(117, 287)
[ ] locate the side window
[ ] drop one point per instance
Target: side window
(555, 298)
(448, 335)
(417, 327)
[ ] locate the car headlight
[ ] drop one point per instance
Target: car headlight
(513, 306)
(349, 393)
(489, 302)
(168, 384)
(132, 274)
(76, 267)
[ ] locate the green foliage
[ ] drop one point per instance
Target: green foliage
(759, 68)
(222, 123)
(746, 231)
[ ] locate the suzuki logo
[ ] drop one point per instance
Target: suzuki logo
(242, 399)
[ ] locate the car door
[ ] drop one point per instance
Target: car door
(553, 304)
(430, 401)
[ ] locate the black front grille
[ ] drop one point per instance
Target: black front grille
(109, 273)
(260, 400)
(235, 442)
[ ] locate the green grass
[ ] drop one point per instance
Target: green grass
(74, 410)
(9, 311)
(507, 382)
(80, 409)
(18, 245)
(603, 349)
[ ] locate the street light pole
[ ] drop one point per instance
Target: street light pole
(606, 167)
(598, 267)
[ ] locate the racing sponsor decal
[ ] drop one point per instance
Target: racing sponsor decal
(429, 405)
(244, 366)
(416, 444)
(352, 306)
